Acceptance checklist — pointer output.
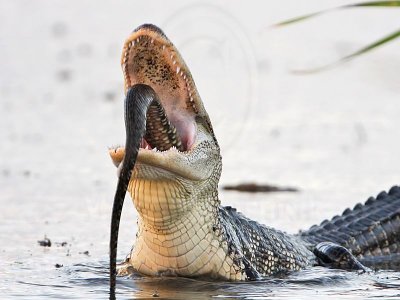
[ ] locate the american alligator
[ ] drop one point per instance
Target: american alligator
(182, 228)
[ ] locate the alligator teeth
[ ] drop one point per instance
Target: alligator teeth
(177, 70)
(159, 131)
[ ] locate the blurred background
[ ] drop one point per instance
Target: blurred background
(334, 135)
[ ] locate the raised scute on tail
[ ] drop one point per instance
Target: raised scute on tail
(367, 230)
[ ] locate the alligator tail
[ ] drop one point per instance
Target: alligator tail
(371, 231)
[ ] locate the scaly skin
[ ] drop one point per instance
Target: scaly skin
(182, 228)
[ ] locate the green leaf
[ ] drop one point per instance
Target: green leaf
(359, 52)
(378, 43)
(375, 4)
(301, 18)
(361, 4)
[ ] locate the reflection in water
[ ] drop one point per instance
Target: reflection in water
(92, 280)
(316, 281)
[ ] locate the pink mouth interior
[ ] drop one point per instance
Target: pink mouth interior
(186, 130)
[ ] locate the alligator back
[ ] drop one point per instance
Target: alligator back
(371, 231)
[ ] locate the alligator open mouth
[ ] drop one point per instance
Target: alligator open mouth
(180, 123)
(148, 57)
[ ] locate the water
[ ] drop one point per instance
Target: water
(89, 281)
(333, 135)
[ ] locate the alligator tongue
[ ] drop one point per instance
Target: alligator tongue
(141, 103)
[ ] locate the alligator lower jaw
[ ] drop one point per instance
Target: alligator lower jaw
(162, 160)
(176, 163)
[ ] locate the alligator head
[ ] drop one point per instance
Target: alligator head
(174, 191)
